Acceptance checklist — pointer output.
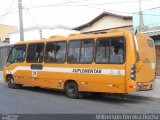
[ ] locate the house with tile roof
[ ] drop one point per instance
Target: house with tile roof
(106, 21)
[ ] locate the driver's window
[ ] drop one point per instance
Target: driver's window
(17, 54)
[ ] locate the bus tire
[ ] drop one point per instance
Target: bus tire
(72, 90)
(11, 84)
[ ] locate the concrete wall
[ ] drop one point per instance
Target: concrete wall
(34, 34)
(28, 35)
(3, 54)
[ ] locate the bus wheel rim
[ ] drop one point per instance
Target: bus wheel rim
(71, 90)
(10, 82)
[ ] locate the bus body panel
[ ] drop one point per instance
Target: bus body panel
(86, 81)
(91, 77)
(148, 57)
(130, 59)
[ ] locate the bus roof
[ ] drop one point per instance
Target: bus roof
(110, 33)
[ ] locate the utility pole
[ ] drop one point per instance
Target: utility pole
(141, 24)
(20, 20)
(40, 33)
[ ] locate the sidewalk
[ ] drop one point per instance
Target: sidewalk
(153, 95)
(1, 76)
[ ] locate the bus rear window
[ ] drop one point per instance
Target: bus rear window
(150, 43)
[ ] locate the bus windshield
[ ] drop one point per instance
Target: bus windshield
(17, 54)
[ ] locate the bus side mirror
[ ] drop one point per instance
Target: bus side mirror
(135, 32)
(139, 65)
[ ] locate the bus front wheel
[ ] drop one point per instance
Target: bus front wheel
(72, 90)
(11, 84)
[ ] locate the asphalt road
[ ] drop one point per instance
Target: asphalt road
(29, 100)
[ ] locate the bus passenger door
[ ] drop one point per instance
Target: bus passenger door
(34, 60)
(36, 69)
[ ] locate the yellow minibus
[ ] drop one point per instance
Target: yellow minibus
(117, 61)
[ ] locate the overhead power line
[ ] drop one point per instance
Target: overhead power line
(123, 11)
(77, 3)
(9, 10)
(115, 10)
(31, 16)
(57, 4)
(72, 3)
(103, 3)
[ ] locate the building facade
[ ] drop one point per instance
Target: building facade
(40, 32)
(155, 35)
(151, 28)
(4, 32)
(106, 21)
(4, 42)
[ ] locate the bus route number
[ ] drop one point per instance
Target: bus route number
(34, 73)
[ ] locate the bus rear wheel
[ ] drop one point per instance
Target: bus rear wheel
(11, 84)
(72, 90)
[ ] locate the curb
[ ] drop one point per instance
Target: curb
(133, 97)
(1, 81)
(157, 77)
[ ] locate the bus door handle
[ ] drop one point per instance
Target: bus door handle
(36, 66)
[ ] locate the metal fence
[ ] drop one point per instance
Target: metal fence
(3, 54)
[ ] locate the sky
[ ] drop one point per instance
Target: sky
(70, 13)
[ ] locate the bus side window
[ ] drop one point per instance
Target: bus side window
(55, 52)
(86, 51)
(17, 54)
(110, 50)
(80, 51)
(117, 45)
(61, 52)
(74, 51)
(35, 53)
(39, 52)
(102, 50)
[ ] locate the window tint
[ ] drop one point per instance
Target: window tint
(35, 53)
(17, 54)
(55, 52)
(61, 52)
(86, 51)
(110, 50)
(80, 51)
(74, 51)
(102, 50)
(117, 50)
